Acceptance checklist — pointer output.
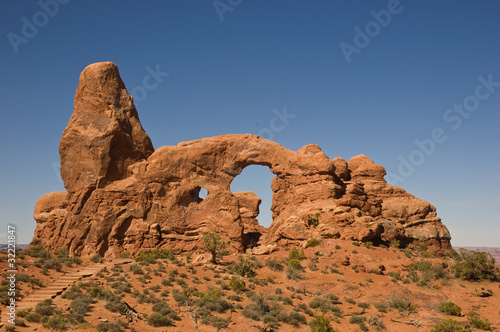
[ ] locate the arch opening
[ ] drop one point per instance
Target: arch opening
(196, 195)
(257, 179)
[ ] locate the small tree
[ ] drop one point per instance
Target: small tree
(215, 246)
(474, 265)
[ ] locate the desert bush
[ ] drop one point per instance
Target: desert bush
(261, 309)
(274, 265)
(163, 308)
(295, 319)
(349, 300)
(313, 243)
(294, 270)
(400, 303)
(376, 321)
(36, 251)
(297, 254)
(108, 327)
(215, 321)
(237, 284)
(321, 323)
(314, 220)
(215, 246)
(244, 267)
(477, 321)
(45, 308)
(450, 308)
(101, 293)
(211, 301)
(158, 320)
(33, 317)
(474, 265)
(57, 322)
(81, 304)
(52, 264)
(368, 244)
(72, 293)
(355, 319)
(116, 306)
(381, 307)
(326, 303)
(152, 256)
(363, 305)
(449, 325)
(395, 243)
(96, 259)
(136, 269)
(422, 272)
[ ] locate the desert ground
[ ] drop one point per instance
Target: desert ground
(340, 285)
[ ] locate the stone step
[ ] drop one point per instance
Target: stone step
(64, 282)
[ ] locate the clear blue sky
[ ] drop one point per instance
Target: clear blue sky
(232, 75)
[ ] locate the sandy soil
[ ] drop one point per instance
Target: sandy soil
(326, 271)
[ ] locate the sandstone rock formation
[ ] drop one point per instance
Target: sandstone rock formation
(123, 196)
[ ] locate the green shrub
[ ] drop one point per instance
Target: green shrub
(237, 284)
(294, 270)
(326, 303)
(422, 272)
(395, 243)
(52, 264)
(449, 325)
(96, 259)
(136, 269)
(108, 327)
(368, 244)
(36, 251)
(274, 265)
(262, 309)
(477, 321)
(115, 306)
(58, 322)
(154, 255)
(244, 267)
(381, 307)
(474, 265)
(400, 303)
(33, 317)
(349, 300)
(45, 308)
(158, 320)
(321, 323)
(72, 293)
(81, 304)
(450, 308)
(215, 246)
(314, 221)
(313, 243)
(296, 254)
(295, 319)
(377, 322)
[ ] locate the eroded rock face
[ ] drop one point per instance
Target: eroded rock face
(123, 196)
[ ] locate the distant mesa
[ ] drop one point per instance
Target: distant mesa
(122, 195)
